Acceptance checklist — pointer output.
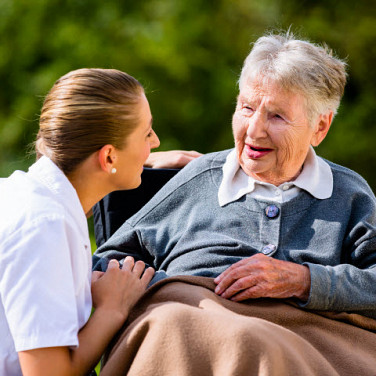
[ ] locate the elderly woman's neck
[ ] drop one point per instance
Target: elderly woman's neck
(277, 180)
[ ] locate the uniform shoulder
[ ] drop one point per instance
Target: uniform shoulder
(24, 202)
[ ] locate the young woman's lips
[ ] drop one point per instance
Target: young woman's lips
(256, 152)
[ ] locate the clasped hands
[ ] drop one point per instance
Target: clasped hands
(261, 276)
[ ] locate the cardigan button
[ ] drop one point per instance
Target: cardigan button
(271, 211)
(268, 249)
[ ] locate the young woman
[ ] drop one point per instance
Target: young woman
(95, 136)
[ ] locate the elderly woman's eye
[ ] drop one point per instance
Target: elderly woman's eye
(278, 117)
(247, 109)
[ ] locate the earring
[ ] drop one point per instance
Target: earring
(113, 171)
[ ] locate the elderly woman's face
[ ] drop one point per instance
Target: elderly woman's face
(272, 132)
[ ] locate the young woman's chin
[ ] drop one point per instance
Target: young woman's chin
(134, 184)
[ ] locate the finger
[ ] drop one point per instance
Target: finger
(236, 272)
(251, 293)
(147, 276)
(138, 268)
(96, 275)
(192, 153)
(238, 286)
(113, 264)
(223, 275)
(247, 261)
(191, 158)
(128, 263)
(196, 154)
(181, 160)
(231, 268)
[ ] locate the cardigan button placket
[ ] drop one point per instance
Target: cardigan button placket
(272, 211)
(268, 249)
(270, 226)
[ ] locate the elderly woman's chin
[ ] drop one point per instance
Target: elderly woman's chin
(265, 169)
(251, 166)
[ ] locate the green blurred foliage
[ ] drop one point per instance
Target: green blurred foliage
(188, 55)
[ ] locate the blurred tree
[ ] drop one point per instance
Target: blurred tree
(188, 55)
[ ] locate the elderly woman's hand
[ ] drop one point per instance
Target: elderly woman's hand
(171, 159)
(261, 276)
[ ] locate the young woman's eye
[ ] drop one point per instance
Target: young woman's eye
(149, 134)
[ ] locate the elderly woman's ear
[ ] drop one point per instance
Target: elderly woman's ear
(321, 128)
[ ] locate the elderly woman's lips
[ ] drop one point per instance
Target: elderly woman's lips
(256, 152)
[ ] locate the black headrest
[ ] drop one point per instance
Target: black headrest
(114, 209)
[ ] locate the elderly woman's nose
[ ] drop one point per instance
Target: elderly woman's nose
(256, 126)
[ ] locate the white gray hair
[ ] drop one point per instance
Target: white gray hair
(297, 65)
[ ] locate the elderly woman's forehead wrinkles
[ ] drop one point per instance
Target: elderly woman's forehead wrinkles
(277, 109)
(284, 103)
(248, 96)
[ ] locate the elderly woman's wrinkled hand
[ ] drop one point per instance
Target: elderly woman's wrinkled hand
(171, 159)
(261, 276)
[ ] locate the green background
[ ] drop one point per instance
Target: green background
(188, 55)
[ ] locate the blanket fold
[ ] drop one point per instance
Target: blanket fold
(181, 327)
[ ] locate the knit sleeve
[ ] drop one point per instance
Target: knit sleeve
(125, 242)
(350, 285)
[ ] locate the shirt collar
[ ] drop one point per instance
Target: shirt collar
(316, 178)
(45, 171)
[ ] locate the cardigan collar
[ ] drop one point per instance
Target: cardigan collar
(316, 178)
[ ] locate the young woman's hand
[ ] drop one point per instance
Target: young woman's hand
(114, 293)
(171, 159)
(118, 290)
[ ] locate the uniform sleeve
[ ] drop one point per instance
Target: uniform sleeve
(37, 286)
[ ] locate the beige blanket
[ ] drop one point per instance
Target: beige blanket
(180, 327)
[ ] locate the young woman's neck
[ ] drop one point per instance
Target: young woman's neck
(89, 181)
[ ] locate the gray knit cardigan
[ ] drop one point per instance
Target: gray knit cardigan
(183, 230)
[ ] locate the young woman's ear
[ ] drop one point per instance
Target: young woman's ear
(322, 128)
(106, 158)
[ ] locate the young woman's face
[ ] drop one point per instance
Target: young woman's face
(131, 159)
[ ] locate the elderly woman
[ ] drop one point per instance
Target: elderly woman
(268, 219)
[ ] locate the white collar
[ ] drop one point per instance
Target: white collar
(46, 171)
(316, 178)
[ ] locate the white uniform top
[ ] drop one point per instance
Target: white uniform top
(45, 263)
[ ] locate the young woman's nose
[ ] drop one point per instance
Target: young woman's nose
(154, 141)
